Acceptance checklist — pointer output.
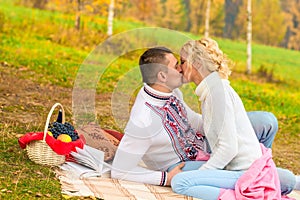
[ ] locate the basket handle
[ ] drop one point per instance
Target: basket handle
(49, 117)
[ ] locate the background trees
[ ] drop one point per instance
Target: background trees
(269, 24)
(291, 10)
(275, 22)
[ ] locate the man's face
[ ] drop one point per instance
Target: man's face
(174, 79)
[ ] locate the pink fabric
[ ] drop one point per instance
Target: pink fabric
(260, 181)
(202, 156)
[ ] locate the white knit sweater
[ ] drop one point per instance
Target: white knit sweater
(147, 140)
(227, 127)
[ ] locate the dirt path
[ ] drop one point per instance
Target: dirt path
(25, 101)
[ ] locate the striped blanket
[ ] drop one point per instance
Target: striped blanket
(112, 189)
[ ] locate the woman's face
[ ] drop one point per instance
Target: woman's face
(183, 65)
(191, 70)
(186, 70)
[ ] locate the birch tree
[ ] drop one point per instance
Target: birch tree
(207, 14)
(249, 37)
(110, 18)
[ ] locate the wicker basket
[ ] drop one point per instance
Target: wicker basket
(39, 151)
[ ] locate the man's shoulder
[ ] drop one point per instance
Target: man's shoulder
(143, 121)
(140, 111)
(144, 115)
(177, 92)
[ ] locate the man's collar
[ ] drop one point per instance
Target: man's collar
(156, 94)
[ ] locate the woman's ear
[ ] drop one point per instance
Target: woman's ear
(162, 76)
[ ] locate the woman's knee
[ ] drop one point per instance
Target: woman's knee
(287, 180)
(272, 121)
(178, 183)
(265, 125)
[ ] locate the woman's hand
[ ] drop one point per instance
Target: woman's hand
(173, 172)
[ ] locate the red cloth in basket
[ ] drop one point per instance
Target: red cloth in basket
(59, 147)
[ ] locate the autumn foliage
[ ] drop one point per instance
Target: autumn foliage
(275, 22)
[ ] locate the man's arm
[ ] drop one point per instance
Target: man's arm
(127, 159)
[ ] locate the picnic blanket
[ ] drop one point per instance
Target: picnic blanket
(112, 189)
(104, 187)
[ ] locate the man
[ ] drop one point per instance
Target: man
(165, 133)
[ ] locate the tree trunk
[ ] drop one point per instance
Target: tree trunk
(188, 11)
(231, 12)
(207, 13)
(249, 37)
(40, 4)
(110, 18)
(77, 20)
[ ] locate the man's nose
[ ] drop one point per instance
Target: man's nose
(179, 68)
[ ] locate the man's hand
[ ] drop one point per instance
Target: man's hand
(173, 172)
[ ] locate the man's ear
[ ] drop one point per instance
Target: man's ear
(162, 76)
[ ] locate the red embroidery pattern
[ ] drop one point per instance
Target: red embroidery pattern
(185, 140)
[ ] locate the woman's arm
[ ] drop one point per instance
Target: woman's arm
(220, 128)
(194, 118)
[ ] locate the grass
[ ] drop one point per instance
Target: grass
(21, 179)
(41, 55)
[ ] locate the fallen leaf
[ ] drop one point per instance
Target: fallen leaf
(19, 135)
(38, 194)
(16, 172)
(66, 196)
(48, 195)
(39, 173)
(23, 68)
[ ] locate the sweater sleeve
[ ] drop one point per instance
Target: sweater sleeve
(220, 129)
(129, 155)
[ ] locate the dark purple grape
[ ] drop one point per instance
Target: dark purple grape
(58, 128)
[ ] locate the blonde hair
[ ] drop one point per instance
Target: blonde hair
(205, 53)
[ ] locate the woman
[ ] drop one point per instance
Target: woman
(233, 143)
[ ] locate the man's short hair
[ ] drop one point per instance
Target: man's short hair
(153, 61)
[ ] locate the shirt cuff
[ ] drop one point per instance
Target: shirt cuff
(163, 181)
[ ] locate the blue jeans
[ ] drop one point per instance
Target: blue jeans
(265, 125)
(206, 184)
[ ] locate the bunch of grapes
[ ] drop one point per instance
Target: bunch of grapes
(57, 128)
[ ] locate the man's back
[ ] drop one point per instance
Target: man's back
(150, 137)
(145, 139)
